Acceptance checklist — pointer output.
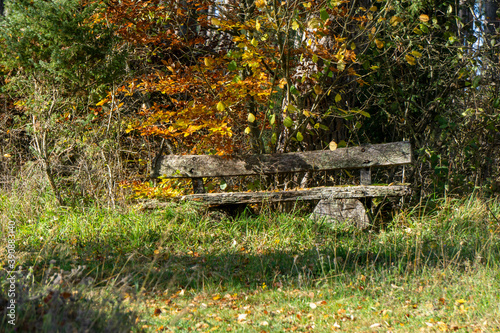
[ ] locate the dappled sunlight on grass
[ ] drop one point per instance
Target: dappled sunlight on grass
(186, 268)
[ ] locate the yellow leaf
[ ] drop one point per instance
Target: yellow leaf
(257, 25)
(341, 65)
(220, 106)
(379, 43)
(251, 118)
(282, 83)
(410, 60)
(260, 3)
(104, 101)
(318, 90)
(307, 5)
(7, 155)
(424, 18)
(248, 130)
(295, 25)
(338, 98)
(314, 23)
(395, 20)
(353, 46)
(254, 42)
(373, 8)
(416, 54)
(208, 61)
(332, 146)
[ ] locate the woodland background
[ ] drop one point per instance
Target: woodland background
(93, 91)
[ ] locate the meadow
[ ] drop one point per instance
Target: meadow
(431, 268)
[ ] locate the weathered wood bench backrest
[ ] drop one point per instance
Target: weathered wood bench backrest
(361, 157)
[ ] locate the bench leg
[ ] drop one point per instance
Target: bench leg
(350, 211)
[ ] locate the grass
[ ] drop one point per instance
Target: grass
(185, 269)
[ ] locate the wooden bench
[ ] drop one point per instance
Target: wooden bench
(339, 198)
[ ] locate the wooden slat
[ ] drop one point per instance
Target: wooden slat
(194, 166)
(317, 193)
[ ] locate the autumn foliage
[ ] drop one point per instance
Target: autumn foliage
(109, 85)
(225, 77)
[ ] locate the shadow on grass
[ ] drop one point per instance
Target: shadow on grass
(60, 303)
(341, 257)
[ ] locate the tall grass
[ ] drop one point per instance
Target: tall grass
(134, 258)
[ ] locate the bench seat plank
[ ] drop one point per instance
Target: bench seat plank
(197, 166)
(317, 193)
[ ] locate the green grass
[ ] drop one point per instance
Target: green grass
(185, 269)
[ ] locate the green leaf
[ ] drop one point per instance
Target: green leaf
(272, 120)
(274, 138)
(300, 137)
(496, 103)
(364, 113)
(288, 122)
(232, 66)
(476, 82)
(323, 14)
